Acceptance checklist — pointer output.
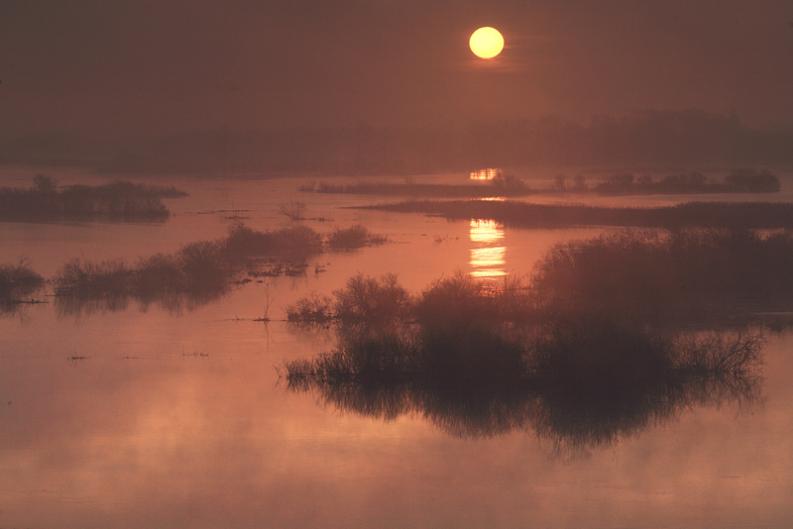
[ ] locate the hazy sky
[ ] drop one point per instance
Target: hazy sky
(114, 66)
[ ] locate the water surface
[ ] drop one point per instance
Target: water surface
(160, 418)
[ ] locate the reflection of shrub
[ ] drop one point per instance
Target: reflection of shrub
(598, 380)
(580, 382)
(352, 238)
(94, 278)
(363, 358)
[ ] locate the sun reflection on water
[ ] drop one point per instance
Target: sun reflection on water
(488, 256)
(488, 173)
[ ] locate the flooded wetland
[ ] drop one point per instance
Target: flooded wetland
(355, 264)
(258, 358)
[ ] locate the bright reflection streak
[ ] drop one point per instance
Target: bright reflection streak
(488, 258)
(486, 231)
(488, 173)
(488, 262)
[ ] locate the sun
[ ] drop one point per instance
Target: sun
(486, 42)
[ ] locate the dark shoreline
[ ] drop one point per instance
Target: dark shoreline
(736, 215)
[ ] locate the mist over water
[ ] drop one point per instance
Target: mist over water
(396, 264)
(623, 415)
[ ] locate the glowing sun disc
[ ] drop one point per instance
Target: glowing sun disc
(486, 42)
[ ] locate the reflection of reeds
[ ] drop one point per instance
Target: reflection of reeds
(17, 282)
(736, 215)
(118, 200)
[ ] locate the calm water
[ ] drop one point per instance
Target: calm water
(150, 418)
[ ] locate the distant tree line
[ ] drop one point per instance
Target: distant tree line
(653, 137)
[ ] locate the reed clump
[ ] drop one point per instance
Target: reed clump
(353, 238)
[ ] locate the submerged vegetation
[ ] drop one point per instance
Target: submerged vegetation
(733, 215)
(45, 200)
(17, 283)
